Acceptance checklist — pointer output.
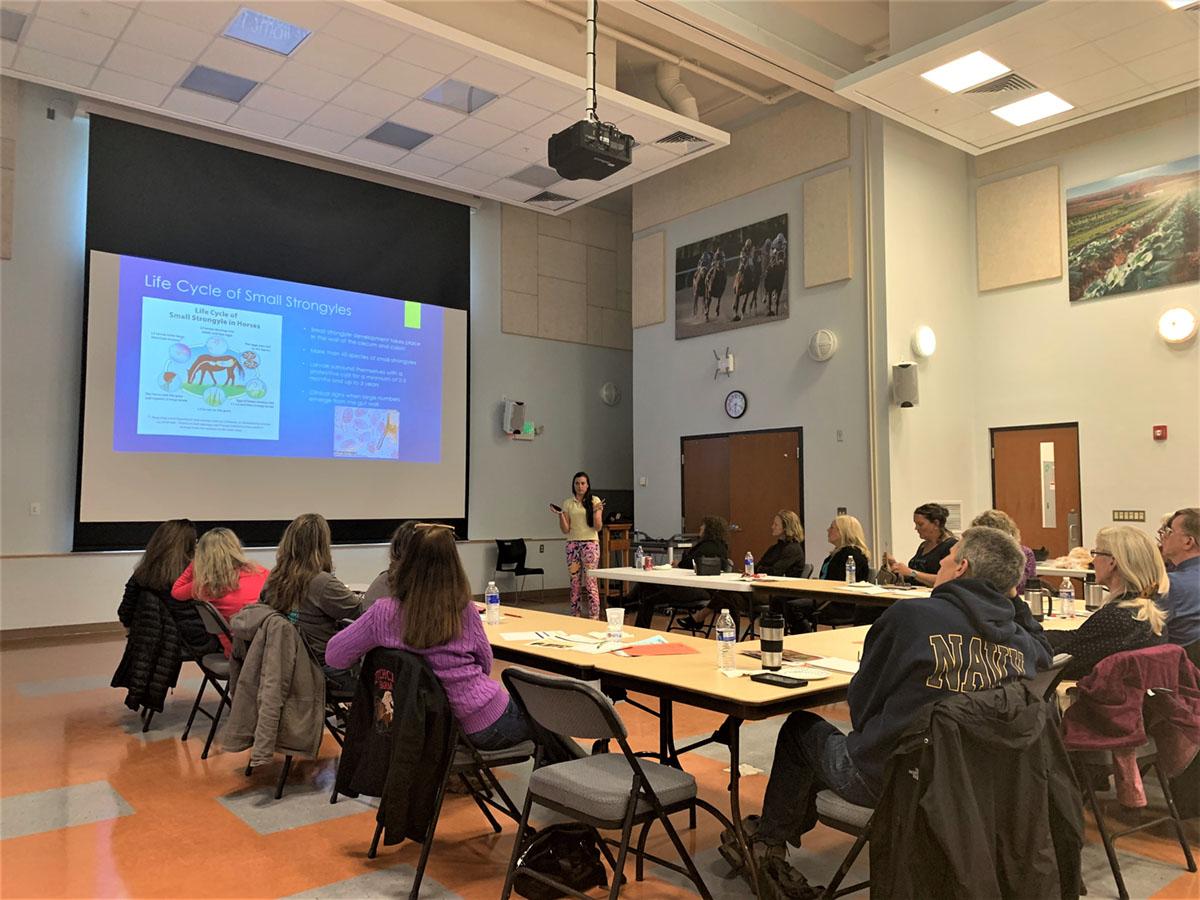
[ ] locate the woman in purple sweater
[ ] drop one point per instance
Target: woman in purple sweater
(438, 621)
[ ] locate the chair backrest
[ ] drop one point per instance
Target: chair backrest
(563, 706)
(510, 553)
(214, 623)
(1046, 682)
(807, 571)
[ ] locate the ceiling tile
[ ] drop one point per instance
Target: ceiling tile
(166, 37)
(548, 126)
(305, 13)
(241, 59)
(498, 165)
(978, 127)
(374, 33)
(1157, 34)
(648, 157)
(547, 95)
(346, 121)
(949, 109)
(492, 76)
(1099, 87)
(573, 189)
(469, 178)
(454, 152)
(1181, 60)
(646, 130)
(259, 122)
(430, 53)
(481, 134)
(422, 165)
(97, 17)
(396, 75)
(1070, 65)
(1090, 21)
(513, 190)
(335, 56)
(373, 101)
(203, 15)
(62, 40)
(511, 113)
(309, 81)
(126, 87)
(25, 7)
(55, 68)
(907, 92)
(200, 106)
(8, 53)
(321, 138)
(282, 103)
(526, 147)
(1030, 45)
(373, 152)
(427, 117)
(146, 64)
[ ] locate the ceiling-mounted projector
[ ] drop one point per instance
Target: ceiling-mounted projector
(590, 148)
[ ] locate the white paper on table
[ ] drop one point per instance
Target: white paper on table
(834, 664)
(603, 635)
(531, 635)
(865, 587)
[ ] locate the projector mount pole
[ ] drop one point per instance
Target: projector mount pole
(590, 73)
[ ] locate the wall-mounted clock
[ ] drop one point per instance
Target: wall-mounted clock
(735, 404)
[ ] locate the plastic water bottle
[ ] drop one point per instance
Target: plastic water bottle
(639, 557)
(851, 570)
(749, 563)
(1066, 598)
(491, 597)
(726, 639)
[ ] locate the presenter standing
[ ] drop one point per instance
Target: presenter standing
(580, 518)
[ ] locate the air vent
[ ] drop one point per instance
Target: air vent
(1004, 84)
(681, 137)
(550, 199)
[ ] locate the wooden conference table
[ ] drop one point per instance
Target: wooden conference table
(692, 678)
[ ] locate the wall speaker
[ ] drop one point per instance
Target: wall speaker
(904, 385)
(514, 416)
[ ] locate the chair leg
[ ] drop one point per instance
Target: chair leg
(1166, 788)
(483, 807)
(212, 732)
(427, 843)
(522, 826)
(623, 851)
(149, 716)
(375, 841)
(693, 872)
(844, 868)
(287, 767)
(195, 706)
(640, 862)
(1113, 862)
(249, 769)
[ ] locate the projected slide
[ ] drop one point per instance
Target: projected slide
(219, 363)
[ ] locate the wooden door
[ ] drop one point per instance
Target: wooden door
(705, 466)
(1035, 479)
(764, 478)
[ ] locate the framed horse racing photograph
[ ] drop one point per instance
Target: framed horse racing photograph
(732, 280)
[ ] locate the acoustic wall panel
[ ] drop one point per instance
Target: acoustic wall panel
(828, 245)
(649, 280)
(1018, 229)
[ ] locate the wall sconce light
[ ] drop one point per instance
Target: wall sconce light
(924, 342)
(1177, 325)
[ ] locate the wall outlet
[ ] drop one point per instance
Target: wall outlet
(841, 511)
(541, 548)
(840, 436)
(35, 509)
(642, 481)
(1129, 515)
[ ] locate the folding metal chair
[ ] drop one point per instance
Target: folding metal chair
(215, 667)
(511, 554)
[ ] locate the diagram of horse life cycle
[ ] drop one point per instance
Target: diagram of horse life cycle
(207, 371)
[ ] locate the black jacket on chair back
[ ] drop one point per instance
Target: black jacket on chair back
(153, 654)
(980, 801)
(399, 740)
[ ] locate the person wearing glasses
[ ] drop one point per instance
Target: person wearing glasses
(1180, 542)
(1128, 564)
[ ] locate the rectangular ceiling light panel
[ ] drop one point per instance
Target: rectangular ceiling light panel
(966, 72)
(266, 31)
(216, 83)
(459, 95)
(399, 135)
(1039, 106)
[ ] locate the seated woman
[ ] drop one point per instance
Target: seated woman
(996, 518)
(400, 538)
(1128, 564)
(849, 541)
(784, 558)
(221, 574)
(438, 621)
(303, 587)
(929, 520)
(712, 541)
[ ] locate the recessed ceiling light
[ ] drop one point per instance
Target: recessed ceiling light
(11, 24)
(1039, 106)
(458, 95)
(399, 135)
(266, 31)
(218, 84)
(1180, 4)
(966, 72)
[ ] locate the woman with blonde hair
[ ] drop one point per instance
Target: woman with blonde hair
(438, 621)
(849, 541)
(1127, 562)
(998, 518)
(221, 574)
(303, 587)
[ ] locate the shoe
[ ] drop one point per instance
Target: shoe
(778, 879)
(690, 622)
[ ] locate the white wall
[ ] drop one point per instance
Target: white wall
(41, 301)
(675, 393)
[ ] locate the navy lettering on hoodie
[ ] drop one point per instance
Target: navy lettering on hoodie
(965, 637)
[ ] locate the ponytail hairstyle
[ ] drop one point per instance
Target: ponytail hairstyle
(588, 501)
(937, 514)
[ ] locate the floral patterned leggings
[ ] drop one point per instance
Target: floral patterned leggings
(582, 557)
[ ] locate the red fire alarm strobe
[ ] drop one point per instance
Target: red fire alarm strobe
(1160, 432)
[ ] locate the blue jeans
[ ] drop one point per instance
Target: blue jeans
(810, 756)
(511, 728)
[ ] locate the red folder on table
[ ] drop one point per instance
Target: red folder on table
(660, 650)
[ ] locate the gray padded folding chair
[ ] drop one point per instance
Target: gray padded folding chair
(216, 672)
(607, 790)
(1044, 684)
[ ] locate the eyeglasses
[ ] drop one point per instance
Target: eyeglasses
(433, 525)
(1100, 553)
(1164, 531)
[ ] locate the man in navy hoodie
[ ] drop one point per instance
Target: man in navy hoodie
(964, 637)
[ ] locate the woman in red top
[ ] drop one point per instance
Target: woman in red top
(221, 574)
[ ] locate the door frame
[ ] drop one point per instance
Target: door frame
(799, 429)
(992, 432)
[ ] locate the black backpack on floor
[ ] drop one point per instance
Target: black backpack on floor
(566, 852)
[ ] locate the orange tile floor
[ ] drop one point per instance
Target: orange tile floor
(144, 816)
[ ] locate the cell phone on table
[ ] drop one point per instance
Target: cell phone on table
(556, 507)
(778, 680)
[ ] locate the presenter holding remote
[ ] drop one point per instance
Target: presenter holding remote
(580, 518)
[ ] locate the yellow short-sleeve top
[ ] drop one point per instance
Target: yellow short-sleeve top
(577, 518)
